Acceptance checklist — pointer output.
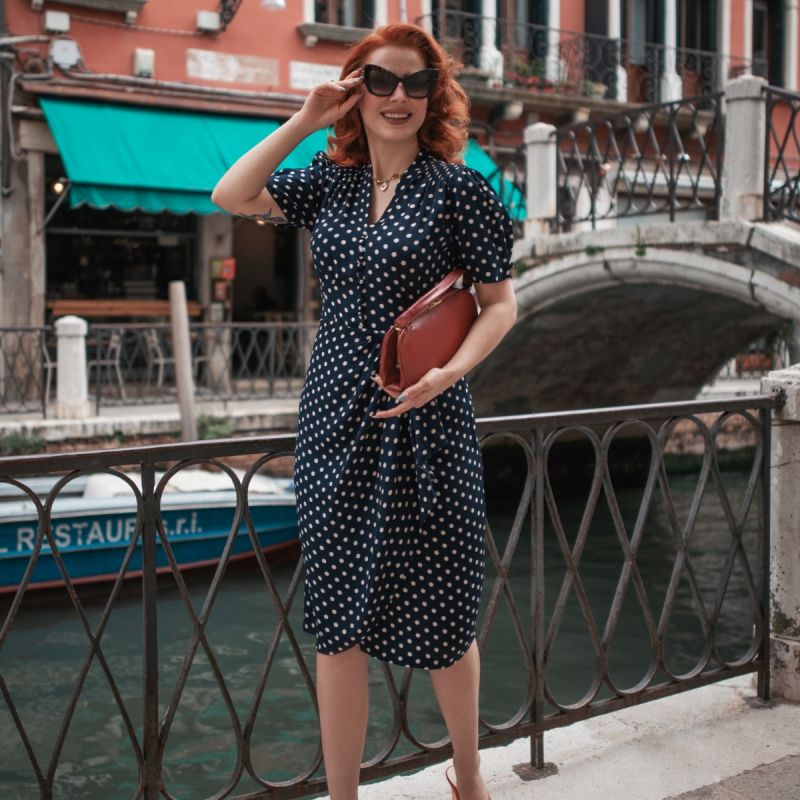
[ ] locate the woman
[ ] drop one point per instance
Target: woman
(390, 497)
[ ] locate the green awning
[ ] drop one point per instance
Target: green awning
(158, 159)
(513, 199)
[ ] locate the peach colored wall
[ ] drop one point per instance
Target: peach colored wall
(572, 14)
(107, 44)
(737, 29)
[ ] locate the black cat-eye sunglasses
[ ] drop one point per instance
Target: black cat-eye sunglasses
(382, 82)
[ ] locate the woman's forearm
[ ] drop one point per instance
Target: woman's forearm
(488, 330)
(245, 180)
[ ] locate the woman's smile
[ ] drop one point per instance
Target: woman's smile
(396, 117)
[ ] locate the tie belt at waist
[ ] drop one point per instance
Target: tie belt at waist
(428, 435)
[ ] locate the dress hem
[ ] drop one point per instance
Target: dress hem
(398, 662)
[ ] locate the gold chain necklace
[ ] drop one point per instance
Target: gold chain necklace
(383, 185)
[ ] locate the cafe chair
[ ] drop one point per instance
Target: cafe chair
(108, 359)
(157, 359)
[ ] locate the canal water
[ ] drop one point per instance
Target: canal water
(43, 655)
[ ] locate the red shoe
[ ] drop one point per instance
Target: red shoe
(452, 785)
(453, 789)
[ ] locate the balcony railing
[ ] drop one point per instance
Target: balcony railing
(662, 159)
(134, 695)
(554, 61)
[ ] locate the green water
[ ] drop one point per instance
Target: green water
(47, 646)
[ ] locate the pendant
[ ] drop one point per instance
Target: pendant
(383, 185)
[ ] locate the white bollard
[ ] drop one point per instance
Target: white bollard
(784, 610)
(72, 388)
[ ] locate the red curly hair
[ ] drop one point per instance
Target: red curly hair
(446, 127)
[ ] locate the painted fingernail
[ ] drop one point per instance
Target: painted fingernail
(401, 397)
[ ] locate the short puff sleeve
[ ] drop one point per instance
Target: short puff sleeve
(300, 192)
(482, 230)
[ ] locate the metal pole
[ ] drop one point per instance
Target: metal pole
(538, 597)
(765, 512)
(151, 776)
(182, 350)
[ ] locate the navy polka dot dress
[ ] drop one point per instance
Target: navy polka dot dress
(391, 513)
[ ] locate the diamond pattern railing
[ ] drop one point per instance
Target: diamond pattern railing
(782, 155)
(135, 363)
(662, 159)
(542, 568)
(27, 374)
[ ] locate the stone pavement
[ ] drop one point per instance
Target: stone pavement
(718, 742)
(779, 780)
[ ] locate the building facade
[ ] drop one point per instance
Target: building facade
(120, 115)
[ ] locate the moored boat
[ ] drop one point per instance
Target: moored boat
(91, 530)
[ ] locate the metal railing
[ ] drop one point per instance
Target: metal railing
(535, 621)
(551, 60)
(135, 363)
(659, 159)
(782, 155)
(27, 368)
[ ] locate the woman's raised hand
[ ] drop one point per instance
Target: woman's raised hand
(330, 101)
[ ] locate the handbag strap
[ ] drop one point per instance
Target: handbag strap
(432, 295)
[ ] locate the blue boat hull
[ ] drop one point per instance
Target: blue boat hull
(92, 545)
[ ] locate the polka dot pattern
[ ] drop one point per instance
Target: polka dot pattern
(391, 513)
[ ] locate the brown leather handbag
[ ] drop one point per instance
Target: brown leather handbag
(428, 333)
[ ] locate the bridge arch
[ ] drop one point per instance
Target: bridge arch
(631, 324)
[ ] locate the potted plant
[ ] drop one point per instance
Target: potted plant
(595, 89)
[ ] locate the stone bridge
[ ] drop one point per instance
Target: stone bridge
(645, 310)
(638, 313)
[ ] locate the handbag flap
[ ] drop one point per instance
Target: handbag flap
(436, 293)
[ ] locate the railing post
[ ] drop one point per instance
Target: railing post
(151, 777)
(745, 140)
(541, 179)
(784, 565)
(72, 390)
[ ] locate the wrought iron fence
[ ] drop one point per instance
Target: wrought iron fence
(555, 61)
(660, 159)
(135, 363)
(27, 368)
(782, 155)
(729, 589)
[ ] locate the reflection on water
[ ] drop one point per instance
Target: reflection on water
(46, 648)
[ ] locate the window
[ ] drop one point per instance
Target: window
(697, 29)
(768, 40)
(349, 13)
(457, 26)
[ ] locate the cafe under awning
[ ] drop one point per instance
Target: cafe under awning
(158, 159)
